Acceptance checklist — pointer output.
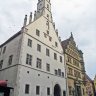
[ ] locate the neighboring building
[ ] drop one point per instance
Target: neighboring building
(32, 60)
(95, 85)
(74, 68)
(89, 86)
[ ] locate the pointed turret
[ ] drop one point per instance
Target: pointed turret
(25, 21)
(71, 37)
(30, 18)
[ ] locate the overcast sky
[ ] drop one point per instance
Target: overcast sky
(77, 16)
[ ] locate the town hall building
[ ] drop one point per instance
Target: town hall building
(32, 61)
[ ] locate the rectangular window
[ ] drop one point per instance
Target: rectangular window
(50, 38)
(37, 32)
(29, 59)
(48, 91)
(39, 63)
(59, 72)
(56, 73)
(10, 59)
(55, 56)
(62, 74)
(1, 64)
(56, 44)
(38, 47)
(37, 90)
(47, 52)
(61, 59)
(29, 42)
(48, 67)
(27, 89)
(4, 49)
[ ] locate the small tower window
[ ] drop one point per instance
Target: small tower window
(47, 23)
(47, 6)
(47, 16)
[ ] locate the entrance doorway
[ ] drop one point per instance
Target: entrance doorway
(57, 90)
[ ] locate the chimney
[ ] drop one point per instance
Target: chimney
(30, 18)
(25, 21)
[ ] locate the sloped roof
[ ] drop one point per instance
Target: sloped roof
(65, 43)
(87, 77)
(11, 38)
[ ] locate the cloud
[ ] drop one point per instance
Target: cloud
(77, 16)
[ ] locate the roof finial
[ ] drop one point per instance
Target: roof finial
(30, 18)
(25, 20)
(71, 35)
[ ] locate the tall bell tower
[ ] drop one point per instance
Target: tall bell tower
(43, 9)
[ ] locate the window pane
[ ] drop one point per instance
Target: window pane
(38, 47)
(27, 89)
(10, 59)
(59, 72)
(62, 74)
(29, 42)
(56, 44)
(48, 91)
(55, 72)
(29, 59)
(4, 49)
(37, 90)
(55, 56)
(61, 59)
(39, 61)
(1, 64)
(48, 67)
(37, 32)
(47, 52)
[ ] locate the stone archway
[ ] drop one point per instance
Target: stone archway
(57, 90)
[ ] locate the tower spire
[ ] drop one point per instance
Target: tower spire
(43, 9)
